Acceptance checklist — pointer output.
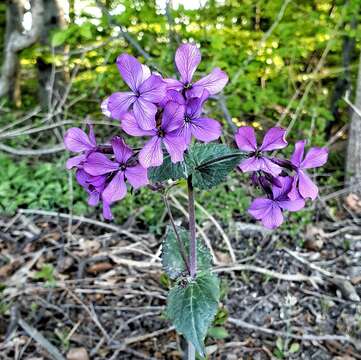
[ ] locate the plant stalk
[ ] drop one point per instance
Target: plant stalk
(192, 248)
(192, 230)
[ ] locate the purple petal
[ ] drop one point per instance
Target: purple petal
(187, 59)
(82, 178)
(75, 161)
(175, 146)
(121, 150)
(205, 129)
(306, 187)
(260, 207)
(274, 139)
(77, 140)
(153, 89)
(99, 164)
(118, 104)
(145, 73)
(185, 131)
(144, 111)
(297, 155)
(285, 183)
(107, 213)
(250, 164)
(213, 83)
(137, 176)
(130, 126)
(173, 84)
(151, 154)
(292, 205)
(173, 116)
(91, 134)
(131, 70)
(315, 157)
(116, 190)
(268, 211)
(260, 163)
(269, 166)
(172, 95)
(93, 199)
(294, 194)
(246, 139)
(194, 105)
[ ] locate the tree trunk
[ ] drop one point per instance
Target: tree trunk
(51, 85)
(14, 17)
(18, 41)
(353, 163)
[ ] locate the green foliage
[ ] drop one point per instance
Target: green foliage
(192, 307)
(172, 260)
(47, 275)
(218, 332)
(209, 165)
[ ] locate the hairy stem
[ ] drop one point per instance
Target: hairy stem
(192, 230)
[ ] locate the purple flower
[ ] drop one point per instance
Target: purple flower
(202, 128)
(314, 158)
(146, 91)
(269, 211)
(93, 185)
(246, 141)
(187, 59)
(76, 140)
(165, 132)
(118, 171)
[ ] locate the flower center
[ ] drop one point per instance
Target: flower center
(187, 119)
(160, 133)
(188, 86)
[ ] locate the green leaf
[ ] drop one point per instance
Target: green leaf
(218, 332)
(168, 170)
(59, 38)
(172, 260)
(279, 343)
(191, 308)
(210, 164)
(295, 347)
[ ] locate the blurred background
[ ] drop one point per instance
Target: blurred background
(290, 63)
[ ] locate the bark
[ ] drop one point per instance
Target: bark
(17, 41)
(353, 162)
(51, 86)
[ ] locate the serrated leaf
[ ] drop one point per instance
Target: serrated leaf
(192, 308)
(218, 332)
(172, 260)
(168, 170)
(210, 164)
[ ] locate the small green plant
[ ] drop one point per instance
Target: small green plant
(46, 274)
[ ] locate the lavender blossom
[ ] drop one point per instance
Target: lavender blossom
(187, 59)
(118, 171)
(164, 133)
(270, 210)
(274, 139)
(146, 91)
(315, 157)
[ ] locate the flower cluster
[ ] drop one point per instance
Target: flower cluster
(285, 182)
(166, 111)
(169, 114)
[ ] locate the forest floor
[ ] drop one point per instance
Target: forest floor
(97, 292)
